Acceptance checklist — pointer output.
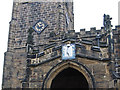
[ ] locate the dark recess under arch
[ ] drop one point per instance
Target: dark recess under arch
(69, 78)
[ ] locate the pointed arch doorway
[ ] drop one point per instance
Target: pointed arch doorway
(69, 74)
(69, 78)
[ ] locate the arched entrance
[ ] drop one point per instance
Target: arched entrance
(69, 70)
(69, 78)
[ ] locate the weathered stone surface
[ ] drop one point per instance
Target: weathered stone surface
(31, 66)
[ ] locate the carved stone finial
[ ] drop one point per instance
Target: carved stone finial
(107, 22)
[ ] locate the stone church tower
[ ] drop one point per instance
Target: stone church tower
(44, 51)
(54, 16)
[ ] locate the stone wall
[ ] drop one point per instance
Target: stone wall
(29, 66)
(24, 16)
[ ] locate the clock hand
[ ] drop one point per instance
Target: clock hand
(68, 50)
(68, 53)
(40, 27)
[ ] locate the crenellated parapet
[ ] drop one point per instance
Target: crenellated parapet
(43, 43)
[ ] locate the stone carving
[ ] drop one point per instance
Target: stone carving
(107, 22)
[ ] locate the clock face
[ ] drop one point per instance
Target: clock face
(39, 26)
(68, 52)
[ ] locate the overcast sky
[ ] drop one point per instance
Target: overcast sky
(87, 13)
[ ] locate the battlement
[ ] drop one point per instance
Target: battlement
(41, 34)
(93, 31)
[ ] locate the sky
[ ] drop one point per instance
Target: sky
(87, 14)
